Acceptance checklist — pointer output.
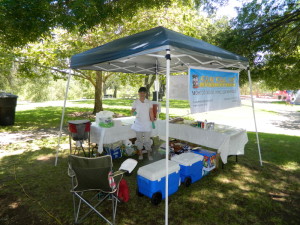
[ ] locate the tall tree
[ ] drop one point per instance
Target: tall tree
(267, 32)
(24, 21)
(51, 52)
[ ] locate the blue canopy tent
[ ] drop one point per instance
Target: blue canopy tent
(158, 51)
(145, 53)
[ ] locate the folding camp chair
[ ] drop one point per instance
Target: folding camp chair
(79, 131)
(93, 175)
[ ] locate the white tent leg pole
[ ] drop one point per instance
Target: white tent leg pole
(168, 59)
(62, 118)
(156, 84)
(156, 80)
(258, 145)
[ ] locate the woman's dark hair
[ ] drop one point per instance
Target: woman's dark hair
(143, 89)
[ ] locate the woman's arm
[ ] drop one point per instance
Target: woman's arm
(151, 114)
(133, 111)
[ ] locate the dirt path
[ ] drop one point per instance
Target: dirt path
(27, 136)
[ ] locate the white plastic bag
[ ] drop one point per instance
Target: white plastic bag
(104, 119)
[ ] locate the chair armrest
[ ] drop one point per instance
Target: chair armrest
(71, 172)
(118, 175)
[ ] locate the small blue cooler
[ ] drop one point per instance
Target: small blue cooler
(115, 153)
(209, 160)
(151, 180)
(190, 167)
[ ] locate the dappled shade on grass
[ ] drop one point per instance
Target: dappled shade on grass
(242, 193)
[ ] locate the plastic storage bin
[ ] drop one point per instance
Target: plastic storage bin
(190, 167)
(209, 160)
(151, 180)
(8, 104)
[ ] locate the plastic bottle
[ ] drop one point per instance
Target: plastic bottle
(205, 124)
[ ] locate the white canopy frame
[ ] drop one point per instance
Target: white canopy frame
(162, 64)
(181, 63)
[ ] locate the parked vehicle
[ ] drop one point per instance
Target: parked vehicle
(281, 95)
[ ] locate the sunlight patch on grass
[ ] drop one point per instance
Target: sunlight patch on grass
(11, 153)
(13, 205)
(233, 206)
(44, 157)
(279, 196)
(196, 199)
(291, 166)
(220, 195)
(224, 180)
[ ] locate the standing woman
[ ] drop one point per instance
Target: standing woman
(142, 109)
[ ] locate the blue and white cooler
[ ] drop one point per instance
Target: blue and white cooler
(191, 165)
(151, 180)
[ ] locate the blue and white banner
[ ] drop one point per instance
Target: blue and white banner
(213, 89)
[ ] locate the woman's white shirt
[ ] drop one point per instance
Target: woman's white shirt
(142, 121)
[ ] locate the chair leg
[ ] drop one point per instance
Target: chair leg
(93, 209)
(113, 208)
(89, 140)
(70, 144)
(78, 209)
(96, 150)
(74, 201)
(81, 146)
(115, 204)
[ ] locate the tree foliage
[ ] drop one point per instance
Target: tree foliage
(267, 32)
(24, 21)
(52, 52)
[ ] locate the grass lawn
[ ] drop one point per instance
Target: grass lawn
(128, 102)
(34, 191)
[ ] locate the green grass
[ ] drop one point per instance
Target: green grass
(34, 191)
(279, 102)
(269, 111)
(111, 102)
(128, 102)
(42, 118)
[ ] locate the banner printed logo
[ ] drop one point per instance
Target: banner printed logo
(213, 90)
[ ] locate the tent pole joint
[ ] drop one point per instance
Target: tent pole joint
(168, 55)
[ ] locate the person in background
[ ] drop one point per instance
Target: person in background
(142, 109)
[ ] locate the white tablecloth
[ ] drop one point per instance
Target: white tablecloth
(227, 140)
(119, 132)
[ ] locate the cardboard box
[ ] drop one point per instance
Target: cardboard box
(209, 160)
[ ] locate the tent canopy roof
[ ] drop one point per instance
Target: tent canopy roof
(144, 53)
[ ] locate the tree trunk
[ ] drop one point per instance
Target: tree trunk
(162, 89)
(98, 93)
(104, 88)
(115, 91)
(148, 84)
